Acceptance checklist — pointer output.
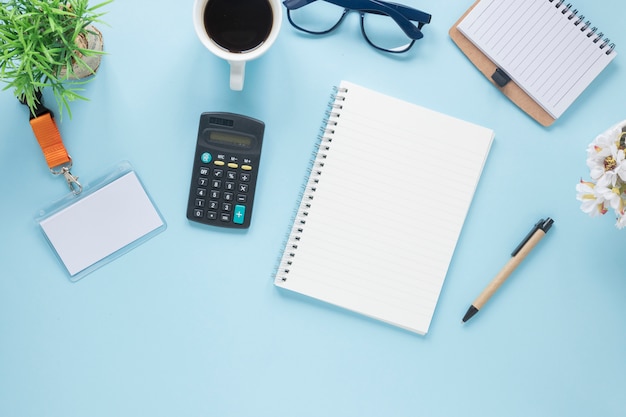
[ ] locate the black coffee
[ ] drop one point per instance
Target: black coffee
(238, 25)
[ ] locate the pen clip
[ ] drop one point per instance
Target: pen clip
(541, 224)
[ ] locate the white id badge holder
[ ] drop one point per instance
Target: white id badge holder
(106, 220)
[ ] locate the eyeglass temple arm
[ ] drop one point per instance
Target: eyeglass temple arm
(412, 14)
(408, 12)
(296, 4)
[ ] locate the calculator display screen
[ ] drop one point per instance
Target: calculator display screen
(225, 138)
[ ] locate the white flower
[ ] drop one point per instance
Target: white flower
(610, 194)
(620, 170)
(608, 162)
(592, 203)
(600, 144)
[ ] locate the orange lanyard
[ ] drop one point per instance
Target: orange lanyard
(49, 138)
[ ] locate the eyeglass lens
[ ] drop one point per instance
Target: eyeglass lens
(321, 17)
(383, 32)
(317, 17)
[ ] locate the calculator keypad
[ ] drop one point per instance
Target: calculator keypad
(223, 192)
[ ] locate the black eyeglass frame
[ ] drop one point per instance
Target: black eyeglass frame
(402, 15)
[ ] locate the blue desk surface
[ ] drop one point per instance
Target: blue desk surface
(190, 323)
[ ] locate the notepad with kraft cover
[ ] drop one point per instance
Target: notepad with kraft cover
(389, 187)
(542, 54)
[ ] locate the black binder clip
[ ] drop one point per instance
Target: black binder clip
(500, 78)
(40, 109)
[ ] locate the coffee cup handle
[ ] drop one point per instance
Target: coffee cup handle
(237, 74)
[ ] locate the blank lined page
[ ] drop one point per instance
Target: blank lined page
(546, 46)
(383, 207)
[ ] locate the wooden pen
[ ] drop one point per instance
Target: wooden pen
(521, 251)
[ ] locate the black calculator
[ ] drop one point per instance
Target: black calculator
(225, 170)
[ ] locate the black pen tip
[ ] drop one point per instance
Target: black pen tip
(546, 224)
(470, 313)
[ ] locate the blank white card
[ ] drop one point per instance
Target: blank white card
(102, 223)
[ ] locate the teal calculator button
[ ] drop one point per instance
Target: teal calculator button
(239, 215)
(206, 157)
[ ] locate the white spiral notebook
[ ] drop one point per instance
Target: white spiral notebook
(382, 208)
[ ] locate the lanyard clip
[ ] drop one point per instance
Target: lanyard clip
(72, 181)
(39, 109)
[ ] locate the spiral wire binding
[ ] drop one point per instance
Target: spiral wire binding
(307, 193)
(592, 32)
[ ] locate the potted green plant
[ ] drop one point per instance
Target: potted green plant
(49, 43)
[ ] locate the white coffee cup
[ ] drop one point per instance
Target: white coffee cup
(235, 38)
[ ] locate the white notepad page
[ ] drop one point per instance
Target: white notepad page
(396, 183)
(540, 46)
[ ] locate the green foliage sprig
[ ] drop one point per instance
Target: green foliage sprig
(39, 44)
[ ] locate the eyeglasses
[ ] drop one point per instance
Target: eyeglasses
(388, 26)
